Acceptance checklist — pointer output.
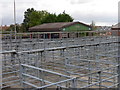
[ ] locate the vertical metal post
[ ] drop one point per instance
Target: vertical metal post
(118, 59)
(44, 58)
(21, 77)
(118, 69)
(67, 56)
(41, 56)
(1, 54)
(15, 19)
(89, 77)
(0, 62)
(99, 80)
(44, 46)
(74, 83)
(13, 58)
(53, 59)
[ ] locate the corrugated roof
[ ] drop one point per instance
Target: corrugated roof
(116, 26)
(53, 26)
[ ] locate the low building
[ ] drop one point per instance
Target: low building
(102, 28)
(116, 29)
(60, 27)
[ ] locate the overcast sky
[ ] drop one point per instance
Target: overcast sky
(102, 12)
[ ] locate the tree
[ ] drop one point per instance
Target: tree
(64, 17)
(12, 28)
(26, 17)
(50, 18)
(33, 17)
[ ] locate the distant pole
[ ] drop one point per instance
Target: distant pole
(15, 20)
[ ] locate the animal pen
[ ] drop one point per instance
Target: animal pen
(32, 61)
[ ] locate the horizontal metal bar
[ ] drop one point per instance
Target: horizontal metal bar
(31, 51)
(97, 71)
(103, 80)
(114, 56)
(58, 48)
(10, 72)
(113, 85)
(86, 60)
(10, 85)
(10, 77)
(11, 81)
(11, 66)
(40, 79)
(56, 83)
(92, 69)
(102, 86)
(8, 59)
(110, 51)
(45, 70)
(30, 84)
(110, 72)
(7, 52)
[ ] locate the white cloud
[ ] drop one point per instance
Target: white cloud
(0, 15)
(7, 8)
(101, 11)
(80, 1)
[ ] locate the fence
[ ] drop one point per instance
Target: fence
(41, 61)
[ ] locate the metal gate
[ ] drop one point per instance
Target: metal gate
(72, 62)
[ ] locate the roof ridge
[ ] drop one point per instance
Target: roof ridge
(55, 26)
